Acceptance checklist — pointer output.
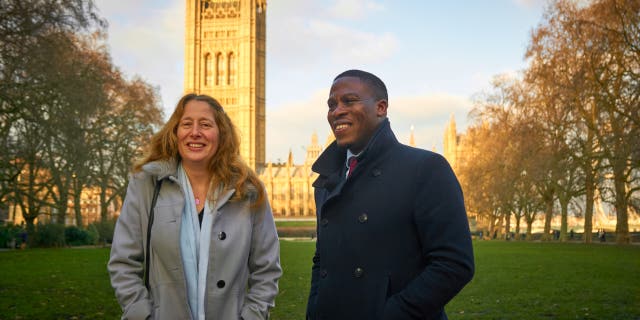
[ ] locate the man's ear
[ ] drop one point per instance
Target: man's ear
(381, 108)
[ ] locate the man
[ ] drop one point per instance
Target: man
(393, 238)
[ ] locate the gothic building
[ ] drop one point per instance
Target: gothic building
(289, 186)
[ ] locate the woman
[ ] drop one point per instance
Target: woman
(214, 251)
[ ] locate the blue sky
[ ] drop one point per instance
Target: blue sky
(434, 56)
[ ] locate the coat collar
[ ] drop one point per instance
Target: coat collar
(332, 159)
(162, 168)
(168, 168)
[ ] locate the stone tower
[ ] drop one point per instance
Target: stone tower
(225, 45)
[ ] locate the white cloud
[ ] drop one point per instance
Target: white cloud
(530, 3)
(325, 38)
(344, 44)
(354, 9)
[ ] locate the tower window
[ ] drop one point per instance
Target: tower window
(208, 70)
(231, 66)
(219, 69)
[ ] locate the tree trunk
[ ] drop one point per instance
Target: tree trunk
(77, 203)
(507, 226)
(529, 227)
(548, 215)
(518, 218)
(589, 176)
(62, 207)
(622, 217)
(564, 205)
(103, 205)
(588, 211)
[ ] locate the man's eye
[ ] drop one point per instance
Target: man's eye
(350, 102)
(332, 105)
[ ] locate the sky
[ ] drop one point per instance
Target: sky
(434, 57)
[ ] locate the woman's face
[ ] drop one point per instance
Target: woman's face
(197, 134)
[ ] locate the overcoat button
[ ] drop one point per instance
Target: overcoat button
(376, 172)
(323, 273)
(220, 284)
(222, 235)
(358, 272)
(324, 222)
(363, 218)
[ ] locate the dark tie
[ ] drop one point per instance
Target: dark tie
(353, 162)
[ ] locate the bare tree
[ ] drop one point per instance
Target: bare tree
(118, 135)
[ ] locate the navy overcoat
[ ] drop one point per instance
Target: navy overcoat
(393, 239)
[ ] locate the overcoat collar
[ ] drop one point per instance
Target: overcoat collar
(331, 161)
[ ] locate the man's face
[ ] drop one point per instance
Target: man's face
(354, 112)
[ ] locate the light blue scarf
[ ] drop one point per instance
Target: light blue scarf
(194, 246)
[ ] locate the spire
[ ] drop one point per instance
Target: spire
(412, 140)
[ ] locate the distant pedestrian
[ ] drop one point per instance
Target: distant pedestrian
(603, 236)
(23, 239)
(571, 234)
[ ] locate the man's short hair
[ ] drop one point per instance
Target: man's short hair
(376, 85)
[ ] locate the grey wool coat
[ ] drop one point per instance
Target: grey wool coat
(393, 239)
(244, 265)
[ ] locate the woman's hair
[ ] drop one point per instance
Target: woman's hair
(226, 166)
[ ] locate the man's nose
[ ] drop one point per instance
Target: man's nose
(340, 109)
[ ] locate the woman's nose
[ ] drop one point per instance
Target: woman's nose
(195, 130)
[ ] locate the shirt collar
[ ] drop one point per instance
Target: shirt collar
(349, 155)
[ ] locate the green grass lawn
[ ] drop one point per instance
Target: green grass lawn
(514, 280)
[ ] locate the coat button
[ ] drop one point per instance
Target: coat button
(376, 172)
(220, 284)
(358, 272)
(323, 273)
(222, 235)
(324, 222)
(363, 218)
